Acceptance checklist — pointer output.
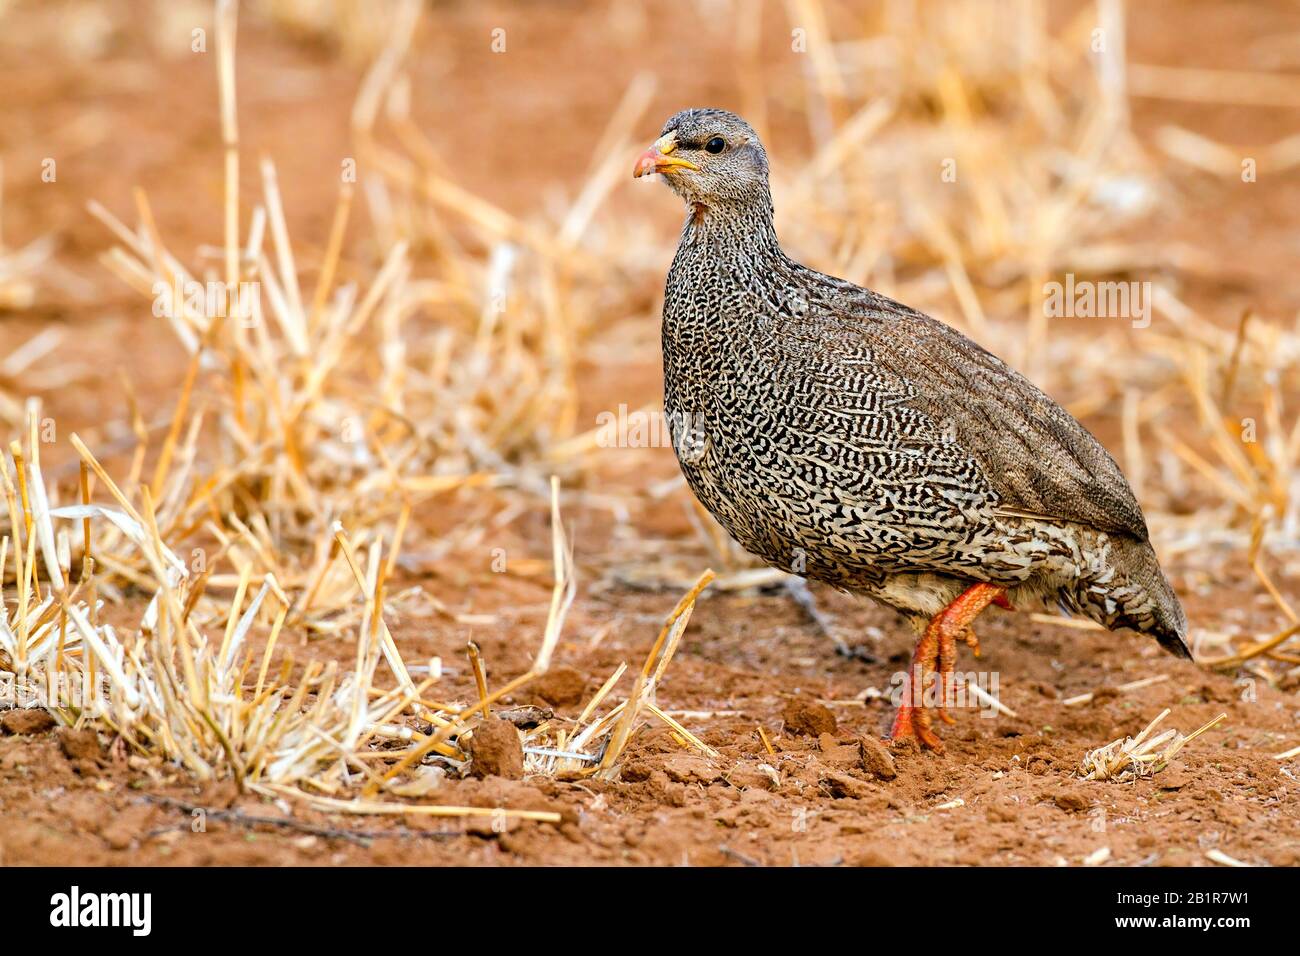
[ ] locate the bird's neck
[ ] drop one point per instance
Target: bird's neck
(727, 254)
(747, 228)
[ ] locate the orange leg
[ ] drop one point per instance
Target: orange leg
(936, 652)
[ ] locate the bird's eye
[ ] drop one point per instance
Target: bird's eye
(715, 145)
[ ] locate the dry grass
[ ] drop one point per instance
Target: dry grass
(199, 696)
(302, 413)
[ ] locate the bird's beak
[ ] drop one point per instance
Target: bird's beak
(659, 159)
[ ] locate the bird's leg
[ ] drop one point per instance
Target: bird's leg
(972, 641)
(947, 666)
(912, 718)
(798, 590)
(937, 650)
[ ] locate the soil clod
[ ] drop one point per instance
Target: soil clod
(804, 716)
(561, 686)
(495, 750)
(26, 721)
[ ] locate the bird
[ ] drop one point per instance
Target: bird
(849, 439)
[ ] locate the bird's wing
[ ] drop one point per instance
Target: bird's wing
(1038, 460)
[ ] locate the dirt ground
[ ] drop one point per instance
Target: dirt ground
(123, 110)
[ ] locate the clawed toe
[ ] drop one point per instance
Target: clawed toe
(913, 723)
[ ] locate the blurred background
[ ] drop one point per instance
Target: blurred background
(958, 156)
(461, 282)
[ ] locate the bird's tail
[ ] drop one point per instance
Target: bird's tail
(1155, 608)
(1170, 628)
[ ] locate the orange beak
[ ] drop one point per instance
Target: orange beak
(659, 159)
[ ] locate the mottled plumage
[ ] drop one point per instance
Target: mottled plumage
(843, 436)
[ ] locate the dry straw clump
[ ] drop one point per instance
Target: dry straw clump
(1130, 758)
(203, 698)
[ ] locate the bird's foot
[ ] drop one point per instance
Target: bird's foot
(911, 722)
(914, 716)
(936, 654)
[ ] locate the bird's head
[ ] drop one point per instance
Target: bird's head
(710, 158)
